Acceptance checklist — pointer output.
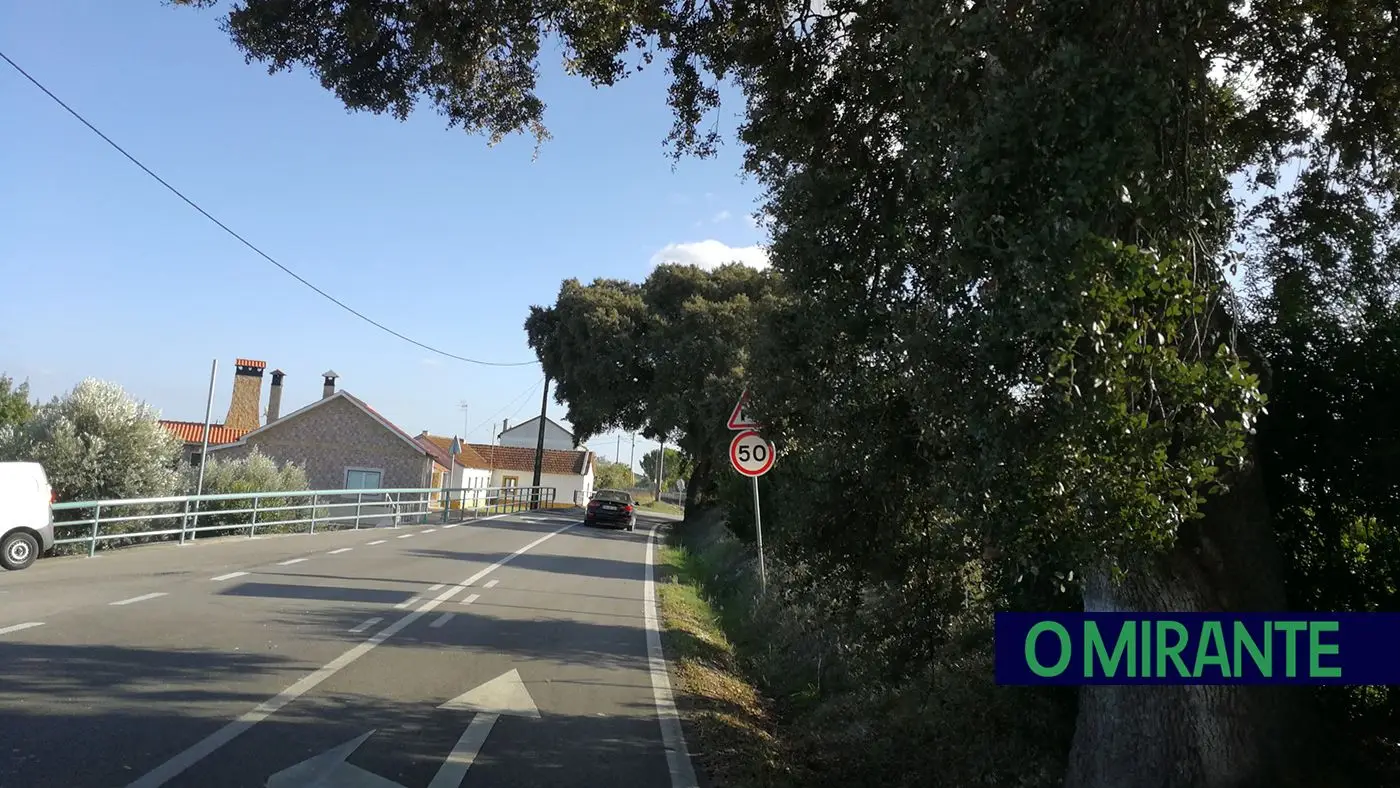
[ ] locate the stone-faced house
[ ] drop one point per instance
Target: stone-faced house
(343, 444)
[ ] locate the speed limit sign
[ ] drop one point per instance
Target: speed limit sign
(751, 454)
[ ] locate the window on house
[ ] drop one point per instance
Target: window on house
(195, 459)
(362, 479)
(510, 481)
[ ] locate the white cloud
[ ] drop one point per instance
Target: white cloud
(711, 254)
(720, 217)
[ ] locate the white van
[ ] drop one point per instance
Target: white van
(26, 514)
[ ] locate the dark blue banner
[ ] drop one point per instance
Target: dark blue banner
(1197, 648)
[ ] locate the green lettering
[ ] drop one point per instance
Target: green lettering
(1094, 647)
(1172, 652)
(1146, 649)
(1212, 635)
(1065, 649)
(1264, 660)
(1291, 653)
(1317, 648)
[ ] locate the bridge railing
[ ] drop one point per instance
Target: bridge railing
(123, 522)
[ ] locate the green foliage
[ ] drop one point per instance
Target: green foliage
(97, 442)
(255, 472)
(15, 406)
(665, 357)
(677, 465)
(612, 476)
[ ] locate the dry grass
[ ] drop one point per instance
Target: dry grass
(727, 723)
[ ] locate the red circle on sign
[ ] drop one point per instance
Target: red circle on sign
(734, 454)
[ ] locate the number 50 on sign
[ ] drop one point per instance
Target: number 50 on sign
(751, 454)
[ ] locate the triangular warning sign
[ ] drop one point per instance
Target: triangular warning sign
(740, 419)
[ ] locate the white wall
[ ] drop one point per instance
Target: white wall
(565, 485)
(527, 434)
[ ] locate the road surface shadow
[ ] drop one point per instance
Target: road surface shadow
(322, 593)
(55, 743)
(610, 638)
(583, 566)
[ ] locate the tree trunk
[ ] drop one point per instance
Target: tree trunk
(697, 491)
(1193, 736)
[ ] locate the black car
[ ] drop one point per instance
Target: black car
(612, 507)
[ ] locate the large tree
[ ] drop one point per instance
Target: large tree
(665, 357)
(1007, 225)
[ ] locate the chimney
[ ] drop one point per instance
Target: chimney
(329, 388)
(247, 394)
(505, 424)
(274, 396)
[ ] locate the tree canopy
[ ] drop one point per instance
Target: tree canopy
(1004, 234)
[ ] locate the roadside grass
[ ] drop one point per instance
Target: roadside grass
(728, 727)
(662, 507)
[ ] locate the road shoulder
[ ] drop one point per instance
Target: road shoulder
(726, 720)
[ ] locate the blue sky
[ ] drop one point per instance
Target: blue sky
(427, 230)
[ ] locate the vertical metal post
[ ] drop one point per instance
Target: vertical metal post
(253, 526)
(758, 532)
(314, 497)
(185, 520)
(96, 518)
(204, 448)
(359, 499)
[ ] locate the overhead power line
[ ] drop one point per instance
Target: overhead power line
(245, 241)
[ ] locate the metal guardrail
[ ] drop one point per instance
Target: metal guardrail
(128, 521)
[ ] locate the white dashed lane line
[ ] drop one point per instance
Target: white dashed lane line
(470, 599)
(380, 541)
(366, 624)
(405, 536)
(492, 583)
(341, 550)
(442, 619)
(407, 602)
(435, 588)
(20, 627)
(290, 561)
(229, 576)
(429, 530)
(136, 599)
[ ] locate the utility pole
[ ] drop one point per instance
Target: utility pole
(632, 459)
(466, 422)
(539, 445)
(617, 455)
(660, 466)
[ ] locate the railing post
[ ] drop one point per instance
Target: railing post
(96, 518)
(314, 497)
(397, 498)
(253, 526)
(359, 499)
(185, 521)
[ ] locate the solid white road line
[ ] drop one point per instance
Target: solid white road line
(290, 562)
(471, 599)
(229, 576)
(341, 550)
(407, 602)
(380, 541)
(20, 627)
(492, 583)
(141, 598)
(366, 624)
(434, 588)
(189, 757)
(442, 619)
(672, 737)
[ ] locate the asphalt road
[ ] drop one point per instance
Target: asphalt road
(508, 653)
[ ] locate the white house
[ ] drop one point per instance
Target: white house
(483, 466)
(526, 435)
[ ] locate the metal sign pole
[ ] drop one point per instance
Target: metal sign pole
(758, 532)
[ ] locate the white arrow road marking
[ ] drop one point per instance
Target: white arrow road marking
(503, 695)
(329, 770)
(182, 761)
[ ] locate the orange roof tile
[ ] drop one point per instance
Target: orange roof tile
(469, 457)
(193, 432)
(248, 362)
(514, 458)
